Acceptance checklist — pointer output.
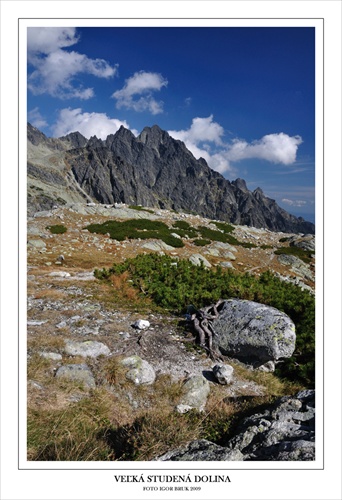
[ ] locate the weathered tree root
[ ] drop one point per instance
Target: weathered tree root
(202, 324)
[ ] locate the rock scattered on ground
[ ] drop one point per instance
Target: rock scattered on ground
(285, 431)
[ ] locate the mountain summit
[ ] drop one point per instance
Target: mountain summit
(152, 170)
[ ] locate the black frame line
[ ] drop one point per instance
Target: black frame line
(323, 247)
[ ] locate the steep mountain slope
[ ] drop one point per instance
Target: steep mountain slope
(152, 170)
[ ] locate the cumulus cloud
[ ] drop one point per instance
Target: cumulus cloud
(204, 139)
(55, 68)
(201, 130)
(141, 84)
(88, 124)
(199, 138)
(275, 148)
(47, 40)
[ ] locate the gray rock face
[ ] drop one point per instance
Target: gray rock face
(77, 373)
(201, 450)
(253, 332)
(196, 390)
(283, 432)
(297, 266)
(139, 370)
(89, 348)
(306, 242)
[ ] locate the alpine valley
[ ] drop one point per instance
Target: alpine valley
(170, 311)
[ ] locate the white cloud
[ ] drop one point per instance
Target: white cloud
(197, 138)
(201, 130)
(88, 124)
(204, 139)
(294, 203)
(275, 148)
(36, 119)
(141, 84)
(47, 40)
(55, 69)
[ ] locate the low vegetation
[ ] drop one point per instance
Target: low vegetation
(57, 229)
(120, 421)
(147, 229)
(140, 209)
(102, 426)
(136, 228)
(174, 284)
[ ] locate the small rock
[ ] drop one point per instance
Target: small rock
(140, 371)
(77, 373)
(223, 373)
(227, 265)
(38, 244)
(197, 259)
(141, 324)
(60, 274)
(268, 367)
(89, 348)
(196, 390)
(51, 355)
(36, 385)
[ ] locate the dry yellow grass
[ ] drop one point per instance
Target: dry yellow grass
(50, 293)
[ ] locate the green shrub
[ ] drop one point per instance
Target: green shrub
(225, 227)
(174, 284)
(182, 224)
(136, 228)
(201, 242)
(57, 229)
(140, 208)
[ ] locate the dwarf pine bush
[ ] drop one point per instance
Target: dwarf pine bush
(174, 284)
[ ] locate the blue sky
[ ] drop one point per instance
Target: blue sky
(242, 98)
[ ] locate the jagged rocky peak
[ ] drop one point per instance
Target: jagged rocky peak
(240, 184)
(34, 135)
(94, 142)
(258, 192)
(75, 140)
(153, 136)
(124, 133)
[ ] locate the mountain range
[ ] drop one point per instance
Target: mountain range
(152, 170)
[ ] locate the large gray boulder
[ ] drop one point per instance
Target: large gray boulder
(253, 332)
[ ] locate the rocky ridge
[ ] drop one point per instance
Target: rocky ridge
(153, 170)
